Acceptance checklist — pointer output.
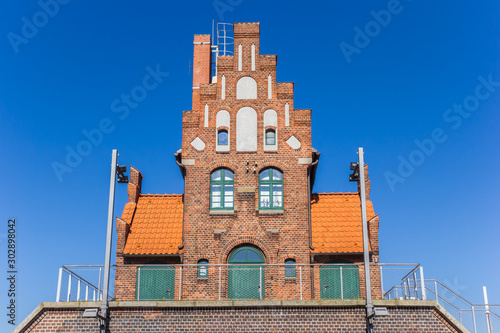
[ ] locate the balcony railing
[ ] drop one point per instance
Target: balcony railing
(270, 282)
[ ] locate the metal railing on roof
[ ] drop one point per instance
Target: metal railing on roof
(275, 281)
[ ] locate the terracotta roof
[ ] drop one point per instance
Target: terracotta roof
(336, 222)
(156, 224)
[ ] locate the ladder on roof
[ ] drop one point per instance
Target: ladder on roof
(222, 44)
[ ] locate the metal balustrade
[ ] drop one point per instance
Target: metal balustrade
(273, 282)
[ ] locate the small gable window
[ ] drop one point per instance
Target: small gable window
(222, 137)
(222, 189)
(270, 137)
(203, 268)
(271, 189)
(290, 268)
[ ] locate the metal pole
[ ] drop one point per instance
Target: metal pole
(260, 278)
(59, 281)
(487, 310)
(436, 291)
(220, 282)
(415, 287)
(366, 253)
(78, 291)
(341, 285)
(99, 284)
(109, 234)
(180, 282)
(69, 289)
(422, 284)
(139, 283)
(473, 318)
(300, 277)
(381, 281)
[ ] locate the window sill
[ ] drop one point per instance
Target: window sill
(271, 212)
(290, 278)
(221, 212)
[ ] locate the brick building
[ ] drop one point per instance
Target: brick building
(247, 226)
(249, 169)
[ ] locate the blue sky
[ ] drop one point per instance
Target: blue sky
(419, 93)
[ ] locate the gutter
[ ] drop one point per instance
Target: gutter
(178, 160)
(311, 177)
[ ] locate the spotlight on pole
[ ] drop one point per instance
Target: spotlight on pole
(354, 177)
(120, 170)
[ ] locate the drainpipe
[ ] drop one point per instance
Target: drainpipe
(309, 190)
(178, 157)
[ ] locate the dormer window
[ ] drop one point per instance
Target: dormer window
(222, 137)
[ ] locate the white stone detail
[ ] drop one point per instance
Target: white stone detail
(253, 57)
(240, 57)
(188, 161)
(222, 119)
(287, 114)
(270, 118)
(269, 87)
(294, 142)
(206, 115)
(305, 160)
(198, 144)
(246, 129)
(246, 88)
(223, 84)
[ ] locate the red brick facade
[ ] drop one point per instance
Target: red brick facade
(214, 234)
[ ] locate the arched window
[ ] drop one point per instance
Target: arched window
(222, 127)
(271, 189)
(203, 268)
(289, 267)
(270, 130)
(222, 137)
(270, 137)
(222, 189)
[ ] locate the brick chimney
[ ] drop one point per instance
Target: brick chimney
(202, 66)
(367, 184)
(134, 185)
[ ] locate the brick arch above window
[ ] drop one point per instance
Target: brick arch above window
(267, 163)
(269, 256)
(226, 163)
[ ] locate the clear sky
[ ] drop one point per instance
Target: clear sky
(418, 91)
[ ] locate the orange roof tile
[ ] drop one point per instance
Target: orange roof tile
(156, 224)
(336, 222)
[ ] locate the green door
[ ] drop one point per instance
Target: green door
(155, 283)
(339, 281)
(244, 281)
